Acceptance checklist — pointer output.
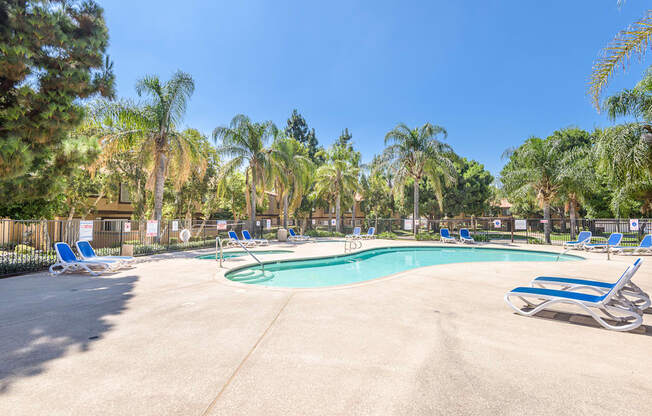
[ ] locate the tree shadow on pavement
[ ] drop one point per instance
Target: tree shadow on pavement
(42, 318)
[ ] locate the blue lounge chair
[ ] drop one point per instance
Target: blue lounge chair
(583, 238)
(234, 240)
(645, 247)
(68, 262)
(612, 303)
(87, 252)
(465, 237)
(612, 242)
(630, 290)
(257, 241)
(356, 233)
(371, 234)
(295, 237)
(445, 236)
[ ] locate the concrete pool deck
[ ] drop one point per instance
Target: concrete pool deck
(172, 337)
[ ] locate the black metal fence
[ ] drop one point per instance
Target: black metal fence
(27, 245)
(531, 231)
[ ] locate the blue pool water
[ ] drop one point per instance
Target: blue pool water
(375, 263)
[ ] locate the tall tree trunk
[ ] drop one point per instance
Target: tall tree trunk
(285, 211)
(573, 219)
(159, 187)
(252, 213)
(415, 215)
(546, 217)
(353, 214)
(71, 214)
(330, 215)
(338, 225)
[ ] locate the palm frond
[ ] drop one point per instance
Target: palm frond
(632, 41)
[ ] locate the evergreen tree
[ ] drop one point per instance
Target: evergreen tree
(345, 139)
(40, 91)
(297, 128)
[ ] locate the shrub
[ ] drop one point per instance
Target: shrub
(269, 236)
(427, 237)
(320, 233)
(387, 236)
(24, 249)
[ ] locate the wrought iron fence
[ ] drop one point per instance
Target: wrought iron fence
(26, 246)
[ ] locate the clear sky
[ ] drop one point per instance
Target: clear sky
(491, 72)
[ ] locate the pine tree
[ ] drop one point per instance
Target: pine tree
(297, 128)
(53, 55)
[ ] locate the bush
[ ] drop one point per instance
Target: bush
(320, 233)
(387, 236)
(427, 237)
(24, 249)
(269, 236)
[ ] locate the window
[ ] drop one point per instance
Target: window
(125, 197)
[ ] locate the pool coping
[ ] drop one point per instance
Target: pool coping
(220, 275)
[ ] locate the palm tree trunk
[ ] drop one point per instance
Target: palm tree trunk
(353, 215)
(573, 220)
(416, 206)
(159, 187)
(330, 216)
(337, 214)
(285, 211)
(546, 217)
(252, 214)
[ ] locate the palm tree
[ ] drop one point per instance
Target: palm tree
(534, 168)
(632, 41)
(625, 151)
(415, 154)
(151, 128)
(577, 178)
(245, 141)
(337, 177)
(292, 170)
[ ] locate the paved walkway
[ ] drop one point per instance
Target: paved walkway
(171, 337)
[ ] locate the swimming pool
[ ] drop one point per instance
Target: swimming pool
(231, 254)
(375, 263)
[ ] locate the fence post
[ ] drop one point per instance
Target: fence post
(122, 228)
(167, 228)
(511, 225)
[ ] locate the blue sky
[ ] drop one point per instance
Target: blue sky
(491, 72)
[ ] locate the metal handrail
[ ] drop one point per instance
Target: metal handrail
(562, 253)
(262, 266)
(218, 243)
(351, 243)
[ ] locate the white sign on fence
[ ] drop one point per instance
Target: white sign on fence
(152, 228)
(257, 223)
(314, 221)
(407, 224)
(85, 230)
(175, 225)
(498, 223)
(333, 222)
(221, 225)
(520, 224)
(268, 223)
(127, 227)
(633, 225)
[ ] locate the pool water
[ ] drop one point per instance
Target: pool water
(231, 254)
(375, 263)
